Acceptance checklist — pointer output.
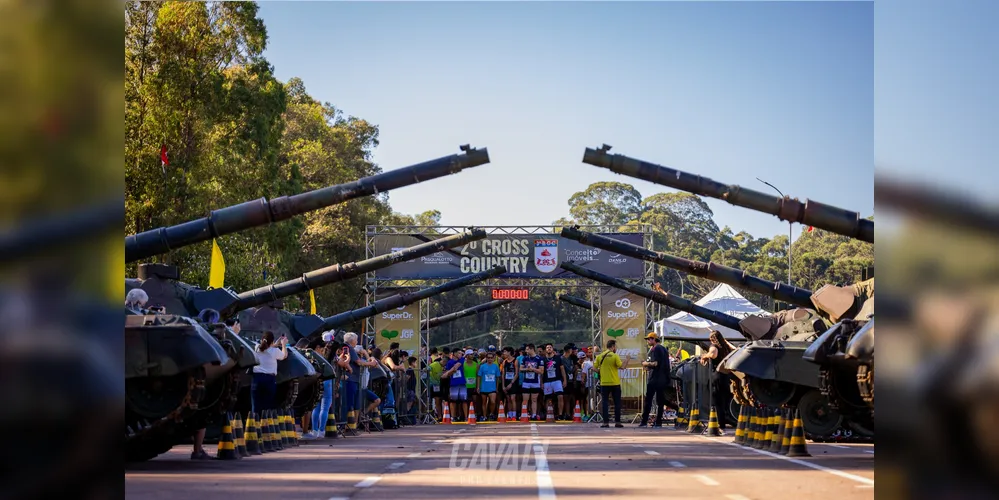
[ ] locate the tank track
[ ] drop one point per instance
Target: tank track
(828, 389)
(145, 440)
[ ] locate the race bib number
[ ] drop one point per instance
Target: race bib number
(436, 388)
(489, 378)
(471, 380)
(455, 376)
(509, 375)
(551, 373)
(579, 377)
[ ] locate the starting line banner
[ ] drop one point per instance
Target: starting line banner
(524, 256)
(622, 318)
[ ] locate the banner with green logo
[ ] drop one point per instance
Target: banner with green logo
(622, 318)
(400, 325)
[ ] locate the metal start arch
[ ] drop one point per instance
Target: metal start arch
(531, 255)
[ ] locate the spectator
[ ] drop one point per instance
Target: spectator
(321, 412)
(657, 367)
(607, 365)
(720, 392)
(264, 383)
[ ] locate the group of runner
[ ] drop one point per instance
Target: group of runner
(538, 376)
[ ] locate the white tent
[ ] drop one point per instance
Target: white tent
(723, 299)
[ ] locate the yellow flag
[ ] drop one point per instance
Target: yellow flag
(312, 300)
(216, 275)
(684, 354)
(117, 268)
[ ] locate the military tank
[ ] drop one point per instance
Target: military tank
(471, 311)
(837, 364)
(228, 384)
(769, 364)
(157, 397)
(772, 374)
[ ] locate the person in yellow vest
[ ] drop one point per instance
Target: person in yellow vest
(607, 365)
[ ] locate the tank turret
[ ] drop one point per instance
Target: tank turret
(447, 318)
(812, 213)
(578, 302)
(262, 212)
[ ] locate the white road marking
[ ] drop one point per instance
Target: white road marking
(413, 455)
(439, 441)
(803, 463)
(869, 451)
(735, 497)
(338, 498)
(678, 465)
(864, 486)
(707, 481)
(368, 482)
(546, 489)
(396, 465)
(837, 446)
(650, 452)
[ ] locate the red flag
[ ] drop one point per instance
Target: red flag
(810, 228)
(163, 156)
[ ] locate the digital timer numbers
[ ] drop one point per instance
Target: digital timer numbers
(511, 294)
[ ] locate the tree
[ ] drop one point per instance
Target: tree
(610, 203)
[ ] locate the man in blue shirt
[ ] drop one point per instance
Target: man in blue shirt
(488, 377)
(455, 371)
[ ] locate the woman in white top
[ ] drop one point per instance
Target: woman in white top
(264, 384)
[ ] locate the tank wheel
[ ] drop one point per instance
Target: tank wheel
(817, 417)
(154, 397)
(309, 400)
(771, 392)
(145, 440)
(290, 394)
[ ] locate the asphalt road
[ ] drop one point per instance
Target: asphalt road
(514, 461)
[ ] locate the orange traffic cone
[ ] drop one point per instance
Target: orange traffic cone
(524, 417)
(501, 414)
(550, 414)
(577, 415)
(447, 414)
(471, 413)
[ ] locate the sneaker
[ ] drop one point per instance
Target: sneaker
(201, 456)
(619, 425)
(604, 425)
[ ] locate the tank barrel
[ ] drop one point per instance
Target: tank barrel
(930, 203)
(402, 299)
(576, 301)
(447, 318)
(660, 298)
(738, 278)
(34, 237)
(261, 212)
(337, 272)
(811, 213)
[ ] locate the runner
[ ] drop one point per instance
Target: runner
(471, 379)
(489, 374)
(554, 379)
(511, 382)
(531, 368)
(455, 372)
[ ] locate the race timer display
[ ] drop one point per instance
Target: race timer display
(511, 294)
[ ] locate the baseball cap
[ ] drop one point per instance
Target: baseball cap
(581, 354)
(651, 335)
(492, 348)
(469, 352)
(482, 351)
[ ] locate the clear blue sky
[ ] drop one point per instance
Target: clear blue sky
(732, 91)
(936, 101)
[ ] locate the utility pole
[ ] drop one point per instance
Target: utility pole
(789, 228)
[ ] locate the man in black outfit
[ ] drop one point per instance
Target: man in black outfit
(657, 367)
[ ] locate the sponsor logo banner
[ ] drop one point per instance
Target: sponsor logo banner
(400, 325)
(622, 318)
(524, 255)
